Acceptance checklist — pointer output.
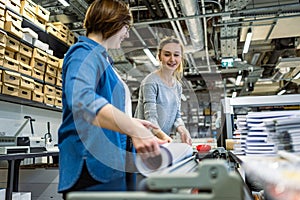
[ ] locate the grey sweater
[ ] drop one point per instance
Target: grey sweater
(159, 103)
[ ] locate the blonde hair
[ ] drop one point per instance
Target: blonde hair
(178, 73)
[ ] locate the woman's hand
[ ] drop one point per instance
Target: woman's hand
(162, 135)
(147, 124)
(184, 135)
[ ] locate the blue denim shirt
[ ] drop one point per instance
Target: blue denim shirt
(89, 83)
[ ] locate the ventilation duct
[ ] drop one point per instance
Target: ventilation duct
(194, 25)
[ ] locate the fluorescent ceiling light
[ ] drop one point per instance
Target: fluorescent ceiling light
(64, 3)
(151, 57)
(281, 92)
(247, 41)
(239, 78)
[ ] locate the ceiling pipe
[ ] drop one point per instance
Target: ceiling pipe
(191, 8)
(205, 36)
(226, 13)
(175, 28)
(189, 58)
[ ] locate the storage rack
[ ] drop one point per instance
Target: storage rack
(254, 101)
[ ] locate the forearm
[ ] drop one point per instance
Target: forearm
(111, 118)
(184, 134)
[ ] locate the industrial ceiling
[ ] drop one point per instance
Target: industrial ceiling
(213, 33)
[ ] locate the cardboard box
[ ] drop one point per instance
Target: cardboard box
(59, 81)
(37, 74)
(24, 93)
(58, 93)
(2, 51)
(38, 87)
(52, 70)
(71, 36)
(25, 69)
(48, 99)
(3, 37)
(13, 17)
(10, 89)
(2, 9)
(22, 58)
(58, 102)
(42, 13)
(40, 54)
(29, 5)
(2, 21)
(52, 29)
(61, 27)
(40, 22)
(10, 77)
(16, 2)
(12, 44)
(29, 35)
(25, 50)
(59, 73)
(28, 14)
(27, 83)
(13, 29)
(62, 37)
(49, 90)
(49, 78)
(9, 53)
(10, 63)
(52, 60)
(1, 60)
(38, 64)
(37, 96)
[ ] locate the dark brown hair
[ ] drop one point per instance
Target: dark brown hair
(107, 17)
(167, 40)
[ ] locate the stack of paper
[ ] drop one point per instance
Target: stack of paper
(240, 135)
(287, 135)
(263, 135)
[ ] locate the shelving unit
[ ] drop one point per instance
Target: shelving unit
(59, 49)
(255, 101)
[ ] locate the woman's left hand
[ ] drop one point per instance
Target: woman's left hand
(147, 124)
(184, 135)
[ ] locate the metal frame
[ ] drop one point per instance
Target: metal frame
(255, 101)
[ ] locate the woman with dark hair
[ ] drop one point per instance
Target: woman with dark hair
(160, 92)
(96, 119)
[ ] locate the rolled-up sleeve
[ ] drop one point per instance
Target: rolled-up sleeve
(85, 69)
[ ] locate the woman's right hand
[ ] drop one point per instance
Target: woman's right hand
(145, 143)
(165, 138)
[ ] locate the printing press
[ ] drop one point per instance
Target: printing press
(205, 176)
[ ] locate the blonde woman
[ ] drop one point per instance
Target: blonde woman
(160, 92)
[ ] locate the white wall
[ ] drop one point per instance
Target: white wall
(12, 117)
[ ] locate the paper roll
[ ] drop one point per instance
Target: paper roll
(171, 153)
